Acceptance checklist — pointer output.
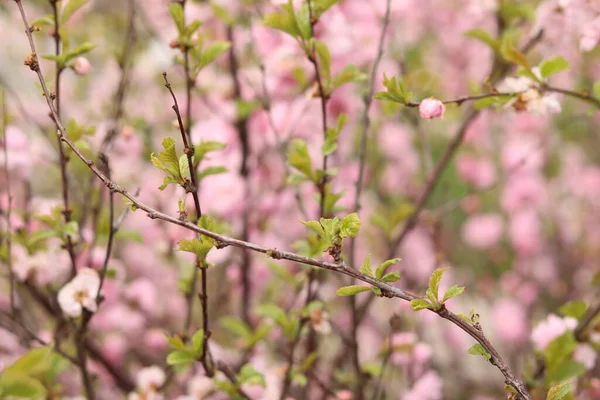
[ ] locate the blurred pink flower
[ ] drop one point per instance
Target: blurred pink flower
(510, 320)
(551, 328)
(478, 172)
(142, 292)
(80, 293)
(482, 231)
(81, 66)
(150, 379)
(523, 190)
(432, 108)
(525, 232)
(586, 354)
(590, 35)
(427, 387)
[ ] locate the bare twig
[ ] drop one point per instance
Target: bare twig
(224, 241)
(585, 96)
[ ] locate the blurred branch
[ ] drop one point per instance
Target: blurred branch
(223, 241)
(366, 122)
(585, 96)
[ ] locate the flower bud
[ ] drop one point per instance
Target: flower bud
(81, 66)
(432, 108)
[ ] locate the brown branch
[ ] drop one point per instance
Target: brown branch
(224, 241)
(460, 100)
(585, 96)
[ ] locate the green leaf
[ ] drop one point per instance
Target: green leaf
(559, 392)
(385, 265)
(365, 268)
(553, 66)
(197, 246)
(198, 341)
(575, 309)
(71, 228)
(391, 277)
(350, 225)
(453, 292)
(250, 376)
(324, 57)
(513, 11)
(434, 281)
(213, 51)
(299, 158)
(46, 20)
(83, 48)
(236, 326)
(184, 166)
(211, 171)
(71, 8)
(284, 22)
(352, 290)
(330, 144)
(484, 37)
(566, 370)
(316, 227)
(478, 349)
(395, 91)
(348, 74)
(420, 304)
(175, 342)
(20, 386)
(168, 161)
(205, 147)
(180, 358)
(559, 350)
(34, 362)
(596, 89)
(176, 11)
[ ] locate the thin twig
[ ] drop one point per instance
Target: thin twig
(224, 241)
(366, 122)
(585, 96)
(8, 214)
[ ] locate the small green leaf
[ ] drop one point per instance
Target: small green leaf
(197, 246)
(316, 227)
(299, 158)
(283, 22)
(453, 291)
(236, 326)
(596, 89)
(175, 342)
(559, 392)
(348, 74)
(176, 11)
(559, 350)
(478, 349)
(350, 225)
(575, 309)
(71, 8)
(204, 147)
(553, 66)
(391, 277)
(78, 51)
(434, 281)
(213, 51)
(46, 20)
(20, 386)
(484, 37)
(324, 57)
(420, 304)
(365, 268)
(250, 376)
(180, 358)
(566, 370)
(395, 91)
(198, 341)
(352, 290)
(208, 171)
(384, 266)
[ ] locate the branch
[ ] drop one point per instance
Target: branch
(585, 96)
(224, 241)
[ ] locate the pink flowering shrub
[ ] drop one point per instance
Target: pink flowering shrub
(242, 200)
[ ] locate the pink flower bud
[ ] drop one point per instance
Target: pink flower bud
(432, 108)
(81, 66)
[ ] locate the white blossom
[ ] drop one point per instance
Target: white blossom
(150, 379)
(80, 293)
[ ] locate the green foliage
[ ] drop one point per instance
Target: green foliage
(352, 290)
(58, 227)
(32, 374)
(420, 304)
(575, 309)
(478, 349)
(553, 66)
(330, 144)
(168, 162)
(395, 91)
(299, 158)
(70, 54)
(432, 293)
(70, 8)
(176, 11)
(246, 337)
(348, 74)
(185, 354)
(288, 324)
(558, 359)
(559, 392)
(484, 37)
(332, 231)
(515, 11)
(596, 89)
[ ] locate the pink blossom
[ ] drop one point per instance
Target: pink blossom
(432, 108)
(81, 66)
(344, 395)
(80, 293)
(523, 190)
(525, 232)
(482, 231)
(586, 355)
(478, 172)
(143, 293)
(551, 328)
(427, 387)
(510, 320)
